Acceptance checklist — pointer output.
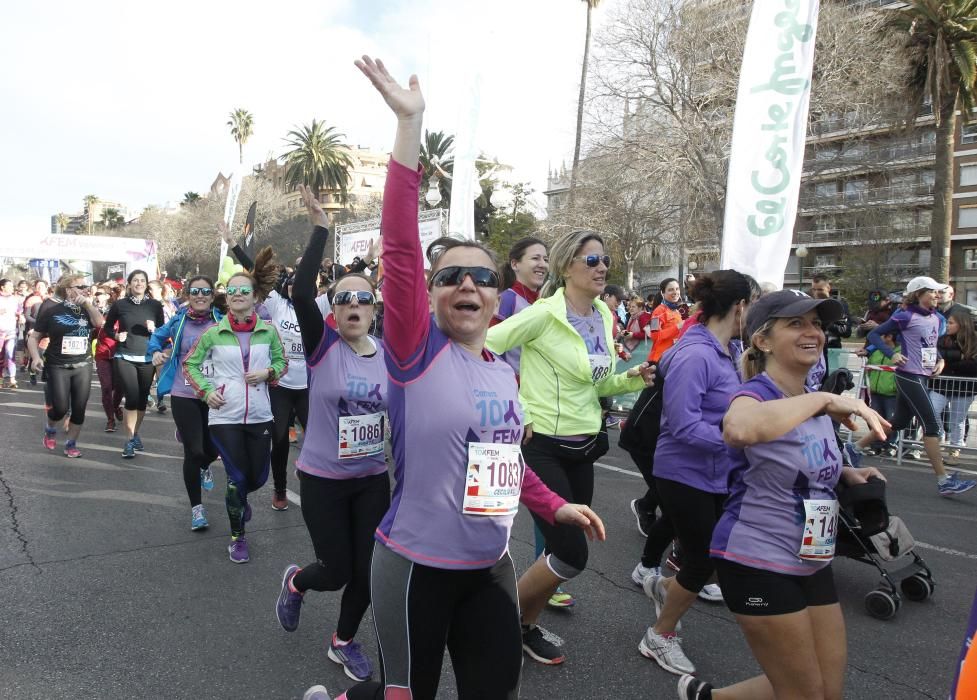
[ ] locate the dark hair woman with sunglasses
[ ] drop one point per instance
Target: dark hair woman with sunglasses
(567, 364)
(132, 320)
(230, 367)
(168, 347)
(441, 572)
(68, 321)
(345, 488)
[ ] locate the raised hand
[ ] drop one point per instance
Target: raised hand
(406, 103)
(224, 230)
(312, 206)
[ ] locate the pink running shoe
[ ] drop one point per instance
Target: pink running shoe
(49, 441)
(71, 450)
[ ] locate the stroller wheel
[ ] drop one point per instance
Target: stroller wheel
(881, 604)
(917, 587)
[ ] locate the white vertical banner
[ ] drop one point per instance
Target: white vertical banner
(465, 188)
(769, 132)
(230, 205)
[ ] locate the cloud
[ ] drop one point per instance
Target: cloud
(129, 101)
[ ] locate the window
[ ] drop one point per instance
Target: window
(826, 152)
(825, 223)
(968, 175)
(968, 217)
(970, 258)
(927, 177)
(824, 261)
(855, 188)
(923, 257)
(825, 189)
(969, 134)
(902, 180)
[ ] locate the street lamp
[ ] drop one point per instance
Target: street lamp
(693, 265)
(801, 252)
(433, 196)
(501, 197)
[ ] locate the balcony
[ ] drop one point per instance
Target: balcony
(898, 270)
(840, 123)
(854, 236)
(909, 194)
(883, 154)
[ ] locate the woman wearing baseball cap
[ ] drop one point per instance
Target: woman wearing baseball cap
(919, 327)
(775, 568)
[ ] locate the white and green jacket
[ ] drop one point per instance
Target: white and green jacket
(216, 363)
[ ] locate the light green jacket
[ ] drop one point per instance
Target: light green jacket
(556, 388)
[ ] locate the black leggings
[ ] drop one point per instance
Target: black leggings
(662, 533)
(342, 515)
(914, 400)
(694, 514)
(418, 610)
(67, 387)
(136, 379)
(190, 416)
(246, 452)
(285, 403)
(566, 546)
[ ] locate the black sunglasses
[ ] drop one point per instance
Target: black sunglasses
(454, 275)
(201, 291)
(346, 297)
(594, 260)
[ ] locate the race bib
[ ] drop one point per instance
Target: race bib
(74, 344)
(494, 479)
(928, 358)
(600, 366)
(206, 369)
(820, 530)
(293, 349)
(360, 436)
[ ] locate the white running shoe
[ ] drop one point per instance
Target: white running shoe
(654, 587)
(640, 573)
(712, 593)
(666, 652)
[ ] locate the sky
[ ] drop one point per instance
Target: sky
(129, 101)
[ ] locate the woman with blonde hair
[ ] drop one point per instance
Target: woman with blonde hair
(68, 323)
(567, 364)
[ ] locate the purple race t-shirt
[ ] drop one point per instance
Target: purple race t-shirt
(918, 330)
(511, 303)
(591, 329)
(763, 518)
(192, 330)
(347, 402)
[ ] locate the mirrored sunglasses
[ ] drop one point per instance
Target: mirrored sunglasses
(201, 291)
(594, 260)
(346, 297)
(231, 291)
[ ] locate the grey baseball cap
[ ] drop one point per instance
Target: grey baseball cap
(788, 303)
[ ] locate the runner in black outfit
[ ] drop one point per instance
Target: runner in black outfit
(68, 323)
(138, 317)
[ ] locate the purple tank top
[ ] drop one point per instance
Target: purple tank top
(763, 518)
(445, 391)
(347, 401)
(192, 330)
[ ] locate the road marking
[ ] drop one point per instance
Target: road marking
(611, 467)
(19, 415)
(945, 550)
(293, 497)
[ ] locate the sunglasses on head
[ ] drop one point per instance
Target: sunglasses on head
(201, 291)
(231, 291)
(453, 275)
(346, 297)
(594, 260)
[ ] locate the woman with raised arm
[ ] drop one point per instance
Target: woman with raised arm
(345, 488)
(441, 572)
(775, 540)
(68, 323)
(168, 347)
(230, 367)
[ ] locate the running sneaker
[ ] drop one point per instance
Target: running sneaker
(33, 379)
(129, 451)
(952, 458)
(666, 652)
(71, 449)
(316, 692)
(161, 406)
(238, 550)
(118, 413)
(691, 688)
(198, 518)
(279, 501)
(293, 436)
(207, 479)
(561, 599)
(712, 593)
(612, 421)
(13, 384)
(177, 436)
(654, 587)
(110, 425)
(137, 443)
(953, 485)
(642, 572)
(645, 520)
(49, 441)
(355, 663)
(289, 604)
(674, 559)
(539, 648)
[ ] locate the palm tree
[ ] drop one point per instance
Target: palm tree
(242, 127)
(591, 4)
(90, 201)
(941, 46)
(318, 159)
(189, 198)
(63, 221)
(437, 147)
(111, 218)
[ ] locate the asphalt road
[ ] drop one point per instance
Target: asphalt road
(105, 592)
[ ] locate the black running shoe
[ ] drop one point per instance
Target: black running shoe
(538, 648)
(691, 688)
(645, 520)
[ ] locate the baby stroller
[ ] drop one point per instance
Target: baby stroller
(867, 533)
